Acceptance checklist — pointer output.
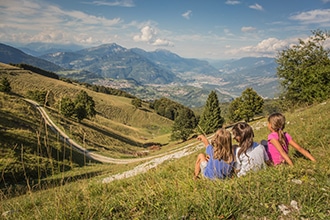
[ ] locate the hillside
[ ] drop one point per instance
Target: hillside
(10, 54)
(119, 130)
(111, 109)
(169, 192)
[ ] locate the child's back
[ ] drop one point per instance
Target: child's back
(279, 141)
(253, 159)
(249, 155)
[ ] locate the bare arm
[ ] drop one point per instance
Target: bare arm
(301, 150)
(278, 146)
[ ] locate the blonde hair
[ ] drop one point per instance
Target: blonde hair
(245, 132)
(222, 145)
(277, 123)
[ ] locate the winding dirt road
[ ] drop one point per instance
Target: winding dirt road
(152, 162)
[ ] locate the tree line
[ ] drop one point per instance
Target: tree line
(36, 70)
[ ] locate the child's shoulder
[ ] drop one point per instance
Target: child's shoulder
(272, 135)
(257, 147)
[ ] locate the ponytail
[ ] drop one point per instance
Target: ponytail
(282, 138)
(277, 122)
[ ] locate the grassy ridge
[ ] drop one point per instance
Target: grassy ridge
(118, 122)
(169, 192)
(31, 154)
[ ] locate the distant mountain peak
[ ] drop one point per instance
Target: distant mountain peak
(106, 48)
(110, 45)
(162, 50)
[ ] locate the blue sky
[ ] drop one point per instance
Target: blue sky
(213, 29)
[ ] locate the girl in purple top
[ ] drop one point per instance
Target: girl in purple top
(279, 141)
(219, 158)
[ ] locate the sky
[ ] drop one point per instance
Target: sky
(203, 29)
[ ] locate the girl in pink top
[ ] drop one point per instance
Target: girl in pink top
(279, 141)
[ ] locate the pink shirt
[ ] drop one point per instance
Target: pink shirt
(273, 154)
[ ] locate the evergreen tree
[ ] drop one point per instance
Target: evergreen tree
(211, 118)
(304, 70)
(5, 85)
(234, 110)
(184, 125)
(252, 104)
(171, 111)
(246, 106)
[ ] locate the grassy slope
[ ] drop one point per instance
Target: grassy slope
(117, 124)
(168, 192)
(30, 152)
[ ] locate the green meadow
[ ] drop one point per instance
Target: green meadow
(55, 182)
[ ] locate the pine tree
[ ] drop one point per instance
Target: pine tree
(211, 119)
(251, 104)
(234, 110)
(184, 124)
(246, 106)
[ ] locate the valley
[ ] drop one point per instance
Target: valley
(155, 74)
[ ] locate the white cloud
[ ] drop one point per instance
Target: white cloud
(120, 3)
(149, 35)
(248, 29)
(313, 17)
(256, 7)
(268, 48)
(271, 45)
(162, 42)
(26, 21)
(232, 2)
(187, 14)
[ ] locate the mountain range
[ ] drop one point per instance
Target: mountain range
(155, 74)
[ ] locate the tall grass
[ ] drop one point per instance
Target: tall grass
(169, 191)
(165, 192)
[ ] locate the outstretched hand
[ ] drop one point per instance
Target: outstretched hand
(203, 139)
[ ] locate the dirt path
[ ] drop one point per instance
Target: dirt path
(152, 162)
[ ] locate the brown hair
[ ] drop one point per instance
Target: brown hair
(222, 145)
(245, 132)
(277, 123)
